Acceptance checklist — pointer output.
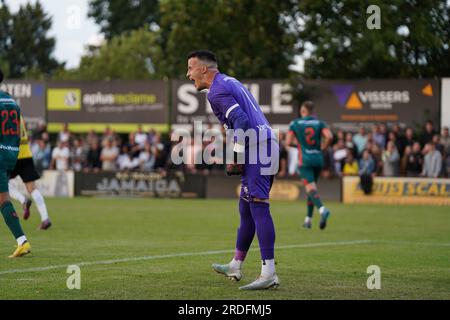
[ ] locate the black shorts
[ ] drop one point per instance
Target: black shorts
(26, 170)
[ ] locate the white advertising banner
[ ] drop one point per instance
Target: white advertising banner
(52, 183)
(445, 103)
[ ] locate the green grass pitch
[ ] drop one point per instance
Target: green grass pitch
(163, 249)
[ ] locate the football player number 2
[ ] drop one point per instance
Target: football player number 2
(309, 134)
(10, 116)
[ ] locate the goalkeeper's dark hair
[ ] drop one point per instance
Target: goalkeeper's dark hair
(1, 76)
(206, 56)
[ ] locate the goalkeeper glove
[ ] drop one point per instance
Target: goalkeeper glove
(236, 169)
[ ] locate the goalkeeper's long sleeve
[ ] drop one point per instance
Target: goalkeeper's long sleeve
(240, 120)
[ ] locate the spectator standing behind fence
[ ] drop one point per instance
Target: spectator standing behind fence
(140, 137)
(108, 133)
(125, 161)
(351, 167)
(360, 140)
(392, 136)
(40, 130)
(366, 164)
(147, 158)
(108, 155)
(377, 154)
(378, 138)
(161, 152)
(60, 156)
(366, 171)
(134, 148)
(437, 143)
(77, 155)
(404, 160)
(391, 160)
(151, 136)
(42, 156)
(409, 137)
(414, 160)
(91, 138)
(340, 152)
(350, 145)
(432, 163)
(340, 135)
(93, 157)
(384, 132)
(427, 133)
(437, 140)
(64, 135)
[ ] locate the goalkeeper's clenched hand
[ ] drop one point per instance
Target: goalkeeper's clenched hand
(236, 169)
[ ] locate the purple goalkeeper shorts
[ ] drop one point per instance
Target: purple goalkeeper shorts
(257, 178)
(255, 185)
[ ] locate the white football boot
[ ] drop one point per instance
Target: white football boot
(262, 283)
(225, 269)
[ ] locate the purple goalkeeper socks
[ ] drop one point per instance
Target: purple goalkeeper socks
(265, 229)
(246, 231)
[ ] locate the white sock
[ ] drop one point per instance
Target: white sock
(307, 219)
(40, 203)
(268, 268)
(21, 240)
(322, 209)
(15, 194)
(236, 264)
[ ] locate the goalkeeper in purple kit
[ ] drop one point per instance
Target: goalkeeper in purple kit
(237, 109)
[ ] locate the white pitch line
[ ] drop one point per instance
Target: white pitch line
(432, 244)
(174, 255)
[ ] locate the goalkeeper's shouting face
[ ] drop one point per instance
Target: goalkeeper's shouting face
(202, 66)
(197, 73)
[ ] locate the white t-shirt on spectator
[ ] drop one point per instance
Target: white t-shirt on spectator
(340, 154)
(125, 162)
(147, 161)
(64, 136)
(62, 158)
(140, 139)
(109, 152)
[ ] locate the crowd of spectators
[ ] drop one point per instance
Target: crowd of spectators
(378, 151)
(385, 151)
(92, 152)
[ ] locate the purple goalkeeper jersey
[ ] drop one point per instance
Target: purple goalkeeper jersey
(226, 94)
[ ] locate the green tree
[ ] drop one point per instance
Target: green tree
(118, 16)
(131, 56)
(5, 31)
(251, 38)
(413, 40)
(25, 46)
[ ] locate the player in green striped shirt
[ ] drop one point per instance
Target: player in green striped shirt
(9, 150)
(309, 132)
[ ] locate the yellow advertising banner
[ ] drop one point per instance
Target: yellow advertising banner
(398, 191)
(64, 99)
